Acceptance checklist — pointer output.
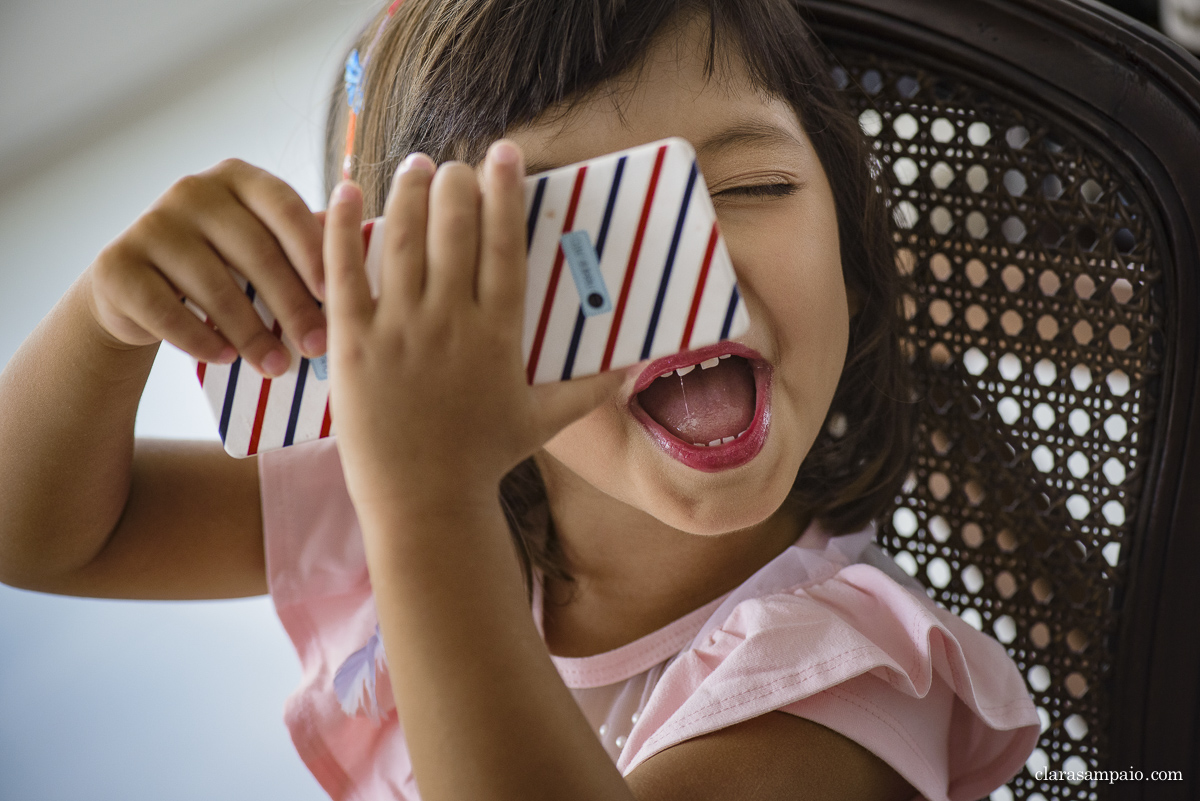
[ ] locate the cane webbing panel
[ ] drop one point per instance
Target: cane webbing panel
(1033, 305)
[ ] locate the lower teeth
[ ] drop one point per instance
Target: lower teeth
(716, 442)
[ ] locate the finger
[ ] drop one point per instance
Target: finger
(285, 214)
(197, 272)
(153, 305)
(349, 295)
(563, 402)
(320, 288)
(453, 244)
(502, 244)
(245, 243)
(406, 215)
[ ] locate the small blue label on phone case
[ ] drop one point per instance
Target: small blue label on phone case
(320, 368)
(585, 269)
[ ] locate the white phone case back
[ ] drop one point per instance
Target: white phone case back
(626, 263)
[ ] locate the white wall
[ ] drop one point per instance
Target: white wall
(112, 700)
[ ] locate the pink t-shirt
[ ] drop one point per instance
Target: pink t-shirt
(830, 630)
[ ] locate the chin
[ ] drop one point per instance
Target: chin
(711, 507)
(711, 522)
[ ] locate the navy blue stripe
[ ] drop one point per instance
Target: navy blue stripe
(666, 276)
(231, 387)
(531, 223)
(733, 302)
(577, 334)
(297, 397)
(608, 209)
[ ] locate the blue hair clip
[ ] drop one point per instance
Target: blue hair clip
(354, 88)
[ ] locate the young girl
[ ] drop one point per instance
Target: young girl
(707, 622)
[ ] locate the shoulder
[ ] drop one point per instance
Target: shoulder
(773, 756)
(882, 666)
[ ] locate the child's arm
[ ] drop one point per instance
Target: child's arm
(430, 396)
(82, 509)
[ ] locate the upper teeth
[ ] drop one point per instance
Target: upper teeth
(704, 365)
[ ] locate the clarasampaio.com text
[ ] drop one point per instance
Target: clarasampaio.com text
(1110, 776)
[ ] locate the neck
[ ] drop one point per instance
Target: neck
(634, 574)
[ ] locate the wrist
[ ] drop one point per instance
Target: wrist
(408, 508)
(433, 545)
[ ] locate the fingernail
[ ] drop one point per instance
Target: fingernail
(345, 191)
(227, 356)
(418, 161)
(276, 363)
(505, 153)
(314, 342)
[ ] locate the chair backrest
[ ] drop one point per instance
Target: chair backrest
(1044, 164)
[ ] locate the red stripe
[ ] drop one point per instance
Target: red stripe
(327, 422)
(263, 393)
(258, 416)
(552, 287)
(691, 320)
(633, 258)
(202, 367)
(367, 229)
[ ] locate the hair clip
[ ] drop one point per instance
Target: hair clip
(353, 78)
(355, 70)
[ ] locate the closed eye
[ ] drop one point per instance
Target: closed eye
(759, 190)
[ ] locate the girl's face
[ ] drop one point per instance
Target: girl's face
(777, 214)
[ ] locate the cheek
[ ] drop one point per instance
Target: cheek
(798, 289)
(796, 292)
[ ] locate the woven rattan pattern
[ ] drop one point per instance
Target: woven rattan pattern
(1032, 287)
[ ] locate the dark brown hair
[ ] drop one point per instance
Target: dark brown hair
(449, 77)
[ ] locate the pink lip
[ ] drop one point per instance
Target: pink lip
(717, 457)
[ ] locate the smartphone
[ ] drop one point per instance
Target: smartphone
(625, 263)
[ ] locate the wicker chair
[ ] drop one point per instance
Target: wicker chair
(1044, 164)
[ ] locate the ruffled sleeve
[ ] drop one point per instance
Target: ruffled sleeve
(940, 702)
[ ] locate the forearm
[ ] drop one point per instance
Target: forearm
(485, 713)
(69, 399)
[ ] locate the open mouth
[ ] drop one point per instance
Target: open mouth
(708, 408)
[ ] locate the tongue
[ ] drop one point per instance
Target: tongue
(704, 405)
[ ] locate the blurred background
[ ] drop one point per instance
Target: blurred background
(104, 106)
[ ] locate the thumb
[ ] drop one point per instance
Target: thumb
(564, 402)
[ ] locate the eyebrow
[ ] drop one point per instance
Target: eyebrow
(751, 132)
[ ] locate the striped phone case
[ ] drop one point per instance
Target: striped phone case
(626, 263)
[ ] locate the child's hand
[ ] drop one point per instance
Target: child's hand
(233, 216)
(428, 388)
